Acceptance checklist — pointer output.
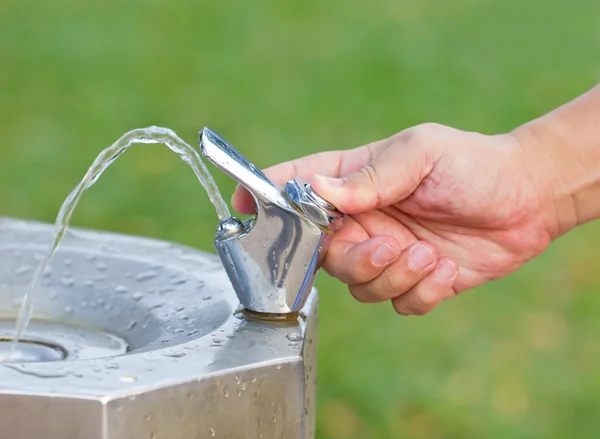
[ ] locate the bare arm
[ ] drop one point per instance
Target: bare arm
(563, 151)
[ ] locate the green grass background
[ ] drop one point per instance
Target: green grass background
(518, 358)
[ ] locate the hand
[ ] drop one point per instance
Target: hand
(433, 211)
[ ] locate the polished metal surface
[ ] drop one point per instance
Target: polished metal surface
(194, 367)
(315, 208)
(273, 258)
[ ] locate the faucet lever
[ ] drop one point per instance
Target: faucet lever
(273, 258)
(233, 163)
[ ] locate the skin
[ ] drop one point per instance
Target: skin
(434, 211)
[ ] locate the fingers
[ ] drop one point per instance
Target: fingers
(390, 176)
(332, 163)
(354, 263)
(376, 270)
(430, 291)
(397, 277)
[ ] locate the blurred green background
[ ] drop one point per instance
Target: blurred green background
(518, 358)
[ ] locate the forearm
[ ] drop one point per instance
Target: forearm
(562, 152)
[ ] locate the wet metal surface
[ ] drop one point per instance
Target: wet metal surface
(193, 366)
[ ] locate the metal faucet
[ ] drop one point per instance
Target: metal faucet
(272, 259)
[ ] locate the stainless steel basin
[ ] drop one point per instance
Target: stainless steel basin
(138, 338)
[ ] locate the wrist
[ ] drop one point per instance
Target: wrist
(562, 154)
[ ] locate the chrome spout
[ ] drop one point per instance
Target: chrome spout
(273, 258)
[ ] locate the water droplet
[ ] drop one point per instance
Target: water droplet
(101, 266)
(193, 331)
(89, 284)
(212, 431)
(121, 289)
(239, 392)
(148, 417)
(236, 379)
(84, 304)
(68, 262)
(179, 331)
(111, 366)
(69, 309)
(131, 325)
(253, 378)
(278, 367)
(137, 295)
(180, 281)
(225, 391)
(207, 298)
(128, 379)
(174, 354)
(90, 257)
(68, 281)
(184, 317)
(294, 336)
(146, 275)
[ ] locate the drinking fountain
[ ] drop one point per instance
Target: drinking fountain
(139, 338)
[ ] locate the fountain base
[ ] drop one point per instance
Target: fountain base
(140, 338)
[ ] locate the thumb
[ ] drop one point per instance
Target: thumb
(388, 178)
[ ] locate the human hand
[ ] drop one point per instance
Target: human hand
(432, 211)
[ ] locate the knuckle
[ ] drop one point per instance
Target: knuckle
(359, 294)
(391, 286)
(429, 127)
(373, 178)
(427, 298)
(419, 132)
(371, 175)
(425, 136)
(400, 308)
(425, 302)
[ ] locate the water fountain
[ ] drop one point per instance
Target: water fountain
(139, 338)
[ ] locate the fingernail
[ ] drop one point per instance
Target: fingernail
(421, 257)
(383, 255)
(445, 271)
(334, 182)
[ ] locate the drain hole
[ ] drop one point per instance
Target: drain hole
(30, 351)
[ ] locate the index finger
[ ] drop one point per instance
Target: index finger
(330, 163)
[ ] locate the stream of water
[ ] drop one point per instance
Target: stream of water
(104, 160)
